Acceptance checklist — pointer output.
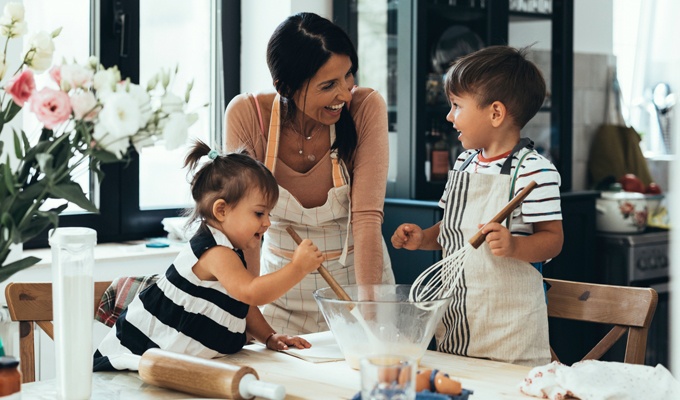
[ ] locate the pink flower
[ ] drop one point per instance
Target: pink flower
(21, 87)
(51, 107)
(84, 105)
(55, 74)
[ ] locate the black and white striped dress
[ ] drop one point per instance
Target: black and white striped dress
(179, 313)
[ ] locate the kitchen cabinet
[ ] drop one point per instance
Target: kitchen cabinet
(404, 48)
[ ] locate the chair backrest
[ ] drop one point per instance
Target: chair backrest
(29, 304)
(628, 309)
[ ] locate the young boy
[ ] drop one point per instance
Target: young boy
(499, 309)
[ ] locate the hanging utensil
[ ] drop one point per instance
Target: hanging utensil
(663, 101)
(439, 280)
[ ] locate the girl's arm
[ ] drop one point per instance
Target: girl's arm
(258, 328)
(223, 264)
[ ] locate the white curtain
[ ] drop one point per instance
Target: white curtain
(647, 33)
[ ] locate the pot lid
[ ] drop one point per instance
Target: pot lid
(622, 195)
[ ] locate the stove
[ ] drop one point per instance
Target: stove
(630, 258)
(639, 260)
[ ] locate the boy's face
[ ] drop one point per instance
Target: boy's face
(472, 122)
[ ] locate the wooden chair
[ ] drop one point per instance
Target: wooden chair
(629, 309)
(29, 304)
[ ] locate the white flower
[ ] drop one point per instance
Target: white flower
(143, 140)
(84, 105)
(76, 76)
(171, 103)
(143, 101)
(15, 11)
(12, 29)
(175, 130)
(118, 120)
(106, 79)
(39, 51)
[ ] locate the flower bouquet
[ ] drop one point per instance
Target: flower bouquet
(88, 116)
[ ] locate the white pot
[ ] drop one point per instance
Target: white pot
(621, 212)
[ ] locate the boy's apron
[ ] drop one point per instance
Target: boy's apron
(499, 310)
(328, 226)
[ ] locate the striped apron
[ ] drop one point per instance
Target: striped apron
(499, 310)
(328, 226)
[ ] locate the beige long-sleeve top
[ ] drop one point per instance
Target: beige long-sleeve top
(368, 170)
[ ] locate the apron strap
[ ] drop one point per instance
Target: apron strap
(523, 142)
(468, 161)
(274, 134)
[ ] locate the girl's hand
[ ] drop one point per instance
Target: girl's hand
(407, 236)
(499, 239)
(279, 342)
(307, 256)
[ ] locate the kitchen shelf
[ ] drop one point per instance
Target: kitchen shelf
(411, 31)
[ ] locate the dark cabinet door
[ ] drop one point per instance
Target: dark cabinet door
(407, 265)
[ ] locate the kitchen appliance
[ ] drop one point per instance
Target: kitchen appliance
(639, 260)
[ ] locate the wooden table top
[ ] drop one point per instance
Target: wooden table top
(489, 380)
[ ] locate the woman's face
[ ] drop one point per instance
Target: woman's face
(326, 93)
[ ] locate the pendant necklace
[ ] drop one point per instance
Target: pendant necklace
(309, 157)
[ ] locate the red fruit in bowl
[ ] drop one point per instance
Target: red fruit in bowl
(653, 188)
(632, 183)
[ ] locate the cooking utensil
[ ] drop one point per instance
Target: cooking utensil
(339, 291)
(322, 270)
(203, 377)
(439, 280)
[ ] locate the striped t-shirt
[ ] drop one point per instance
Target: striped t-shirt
(542, 204)
(179, 313)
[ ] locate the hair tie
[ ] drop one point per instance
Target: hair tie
(213, 154)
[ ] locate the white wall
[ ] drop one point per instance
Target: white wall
(259, 19)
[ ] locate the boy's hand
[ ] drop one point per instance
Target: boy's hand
(499, 239)
(280, 341)
(307, 256)
(407, 236)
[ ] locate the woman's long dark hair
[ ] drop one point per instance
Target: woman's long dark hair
(298, 48)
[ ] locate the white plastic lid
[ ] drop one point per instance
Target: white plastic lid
(622, 195)
(74, 235)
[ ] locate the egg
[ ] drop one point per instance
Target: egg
(423, 380)
(445, 385)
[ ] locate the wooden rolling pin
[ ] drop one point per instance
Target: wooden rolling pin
(203, 377)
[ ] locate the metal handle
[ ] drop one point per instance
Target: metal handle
(339, 291)
(479, 237)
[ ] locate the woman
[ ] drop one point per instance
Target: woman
(326, 143)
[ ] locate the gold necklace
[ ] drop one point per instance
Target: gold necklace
(309, 157)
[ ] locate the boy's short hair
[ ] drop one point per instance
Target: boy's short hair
(499, 73)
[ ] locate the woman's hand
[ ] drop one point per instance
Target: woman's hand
(280, 341)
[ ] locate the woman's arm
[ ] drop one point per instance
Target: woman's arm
(369, 181)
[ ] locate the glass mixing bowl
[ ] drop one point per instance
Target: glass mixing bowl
(388, 323)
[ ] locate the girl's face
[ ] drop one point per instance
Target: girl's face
(326, 93)
(246, 222)
(472, 122)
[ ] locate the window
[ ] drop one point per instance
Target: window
(140, 37)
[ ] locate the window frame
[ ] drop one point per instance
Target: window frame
(117, 197)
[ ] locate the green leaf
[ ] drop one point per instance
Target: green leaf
(17, 146)
(11, 111)
(7, 175)
(45, 163)
(8, 270)
(105, 157)
(2, 144)
(32, 191)
(41, 221)
(72, 192)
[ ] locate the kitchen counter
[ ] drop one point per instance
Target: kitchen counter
(489, 380)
